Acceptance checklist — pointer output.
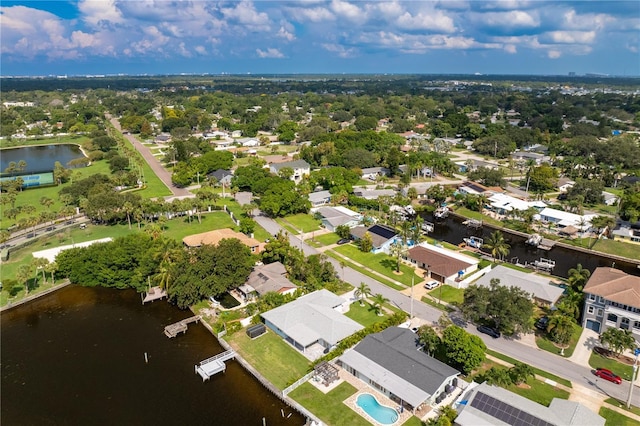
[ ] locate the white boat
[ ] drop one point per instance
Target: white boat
(473, 242)
(410, 211)
(427, 227)
(534, 240)
(544, 264)
(441, 212)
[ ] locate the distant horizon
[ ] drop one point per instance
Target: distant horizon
(238, 37)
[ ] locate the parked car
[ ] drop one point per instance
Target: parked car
(488, 330)
(542, 323)
(603, 373)
(343, 241)
(430, 285)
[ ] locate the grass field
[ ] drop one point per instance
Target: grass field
(623, 370)
(363, 270)
(539, 372)
(295, 223)
(448, 294)
(544, 343)
(327, 239)
(275, 359)
(623, 405)
(364, 315)
(58, 140)
(613, 418)
(329, 407)
(381, 263)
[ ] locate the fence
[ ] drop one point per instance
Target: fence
(298, 382)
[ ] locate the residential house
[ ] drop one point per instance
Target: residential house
(372, 173)
(564, 184)
(563, 219)
(249, 142)
(222, 144)
(163, 138)
(392, 363)
(215, 236)
(542, 291)
(236, 133)
(609, 198)
(332, 217)
(472, 188)
(223, 177)
(312, 323)
(525, 156)
(612, 299)
(382, 237)
(504, 204)
(625, 232)
(489, 405)
(300, 169)
(472, 165)
(263, 279)
(441, 264)
(373, 194)
(319, 198)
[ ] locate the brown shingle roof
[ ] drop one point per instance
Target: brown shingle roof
(615, 285)
(438, 263)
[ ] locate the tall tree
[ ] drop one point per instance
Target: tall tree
(498, 246)
(378, 302)
(618, 340)
(464, 351)
(429, 339)
(362, 292)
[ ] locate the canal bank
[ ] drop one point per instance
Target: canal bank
(565, 256)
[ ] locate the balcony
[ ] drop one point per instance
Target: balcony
(621, 313)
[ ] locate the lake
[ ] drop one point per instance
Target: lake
(76, 357)
(40, 158)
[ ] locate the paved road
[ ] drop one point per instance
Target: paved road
(536, 357)
(153, 162)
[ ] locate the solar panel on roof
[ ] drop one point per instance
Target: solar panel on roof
(505, 412)
(382, 231)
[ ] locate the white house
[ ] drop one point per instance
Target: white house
(319, 198)
(372, 173)
(332, 217)
(300, 169)
(564, 219)
(442, 264)
(503, 204)
(250, 142)
(382, 237)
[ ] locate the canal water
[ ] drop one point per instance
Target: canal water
(76, 357)
(40, 158)
(453, 231)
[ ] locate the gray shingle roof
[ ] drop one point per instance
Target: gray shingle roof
(270, 277)
(535, 285)
(392, 359)
(312, 317)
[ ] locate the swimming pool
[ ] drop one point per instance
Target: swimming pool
(380, 413)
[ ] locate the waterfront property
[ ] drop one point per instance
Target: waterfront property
(491, 405)
(391, 362)
(542, 291)
(612, 299)
(215, 236)
(444, 265)
(267, 278)
(563, 219)
(312, 323)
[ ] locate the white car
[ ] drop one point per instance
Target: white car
(430, 285)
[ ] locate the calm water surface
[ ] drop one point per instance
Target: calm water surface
(76, 357)
(40, 158)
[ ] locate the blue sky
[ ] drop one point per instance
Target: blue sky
(311, 36)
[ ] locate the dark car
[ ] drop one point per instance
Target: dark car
(603, 373)
(542, 323)
(488, 330)
(343, 241)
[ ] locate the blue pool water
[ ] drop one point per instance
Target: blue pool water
(380, 413)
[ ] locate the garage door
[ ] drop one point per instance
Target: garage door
(593, 325)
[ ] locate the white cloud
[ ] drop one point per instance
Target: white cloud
(283, 33)
(435, 21)
(99, 12)
(348, 11)
(554, 54)
(510, 48)
(315, 14)
(511, 19)
(269, 53)
(201, 50)
(573, 21)
(572, 37)
(340, 50)
(246, 14)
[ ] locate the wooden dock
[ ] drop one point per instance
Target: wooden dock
(546, 244)
(214, 365)
(173, 330)
(154, 293)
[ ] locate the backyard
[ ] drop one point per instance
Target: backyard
(365, 315)
(275, 359)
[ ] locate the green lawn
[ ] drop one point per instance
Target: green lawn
(623, 405)
(381, 263)
(623, 370)
(613, 418)
(544, 343)
(539, 372)
(300, 221)
(448, 294)
(275, 359)
(327, 239)
(363, 270)
(364, 315)
(58, 140)
(437, 305)
(329, 407)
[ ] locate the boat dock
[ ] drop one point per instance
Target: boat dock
(473, 223)
(546, 244)
(154, 293)
(214, 365)
(173, 330)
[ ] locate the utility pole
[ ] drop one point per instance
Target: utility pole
(411, 313)
(633, 377)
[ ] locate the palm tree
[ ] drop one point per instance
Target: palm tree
(362, 292)
(128, 209)
(498, 246)
(378, 301)
(40, 263)
(22, 275)
(578, 277)
(429, 339)
(51, 268)
(520, 372)
(396, 251)
(561, 328)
